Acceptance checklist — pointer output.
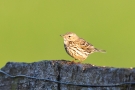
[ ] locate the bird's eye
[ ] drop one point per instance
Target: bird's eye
(69, 36)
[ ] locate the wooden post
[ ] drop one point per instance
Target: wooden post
(73, 76)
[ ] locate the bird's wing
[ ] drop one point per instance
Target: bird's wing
(85, 46)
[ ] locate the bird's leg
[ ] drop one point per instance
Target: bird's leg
(73, 61)
(80, 61)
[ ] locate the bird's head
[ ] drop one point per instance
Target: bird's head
(70, 36)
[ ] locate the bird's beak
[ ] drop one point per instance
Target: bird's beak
(61, 35)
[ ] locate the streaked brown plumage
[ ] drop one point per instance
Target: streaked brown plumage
(77, 47)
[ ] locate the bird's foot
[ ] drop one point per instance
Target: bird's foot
(72, 62)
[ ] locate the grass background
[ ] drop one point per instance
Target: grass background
(30, 29)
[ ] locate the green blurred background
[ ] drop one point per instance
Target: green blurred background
(30, 30)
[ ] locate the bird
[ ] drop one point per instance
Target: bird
(77, 47)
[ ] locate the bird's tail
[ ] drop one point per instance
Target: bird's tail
(99, 50)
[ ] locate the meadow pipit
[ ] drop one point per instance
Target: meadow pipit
(77, 47)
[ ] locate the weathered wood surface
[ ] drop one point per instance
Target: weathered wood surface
(60, 70)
